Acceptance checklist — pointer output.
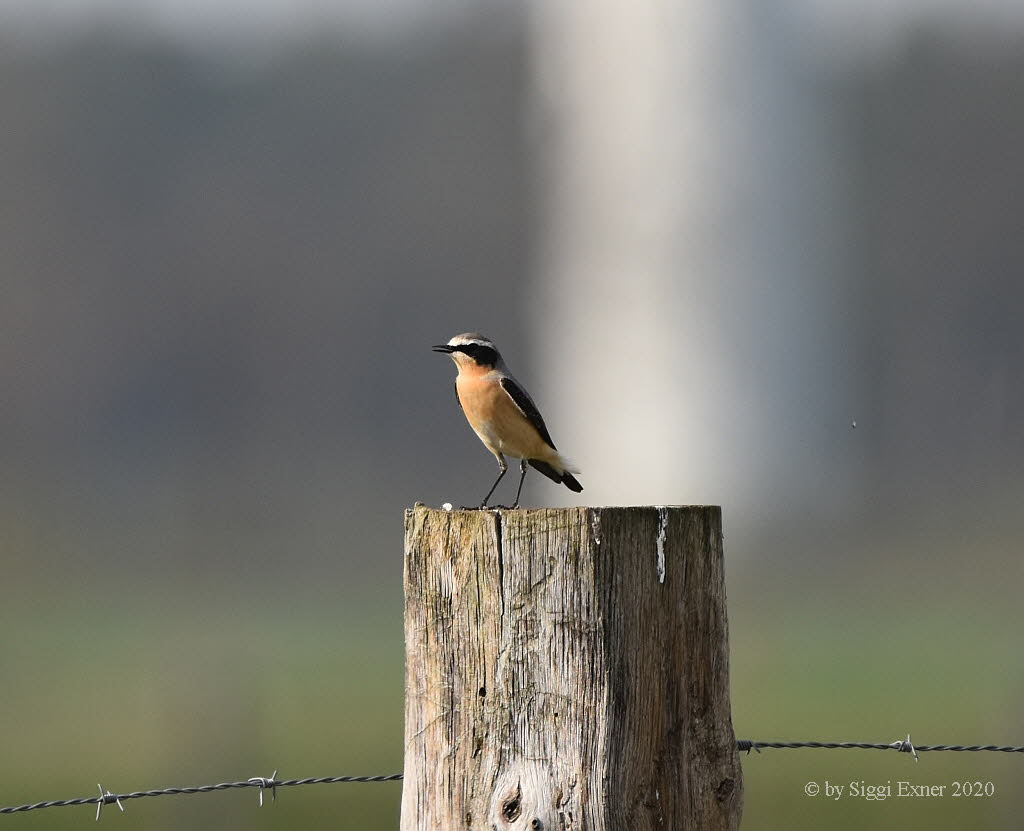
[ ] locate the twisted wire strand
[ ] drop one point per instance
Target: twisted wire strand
(107, 798)
(259, 782)
(748, 745)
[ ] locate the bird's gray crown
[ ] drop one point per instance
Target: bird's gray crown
(471, 338)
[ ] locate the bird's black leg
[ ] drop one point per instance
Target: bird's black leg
(522, 478)
(504, 470)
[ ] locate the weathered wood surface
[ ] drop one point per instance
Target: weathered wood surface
(567, 669)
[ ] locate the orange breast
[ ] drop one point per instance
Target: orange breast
(496, 419)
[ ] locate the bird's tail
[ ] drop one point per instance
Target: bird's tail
(562, 477)
(570, 482)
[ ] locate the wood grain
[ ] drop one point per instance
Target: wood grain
(567, 669)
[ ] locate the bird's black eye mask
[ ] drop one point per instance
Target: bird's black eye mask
(482, 355)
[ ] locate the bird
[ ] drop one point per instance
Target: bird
(502, 414)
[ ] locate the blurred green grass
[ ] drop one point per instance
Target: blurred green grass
(868, 645)
(158, 694)
(183, 686)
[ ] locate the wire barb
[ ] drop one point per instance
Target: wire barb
(264, 784)
(906, 746)
(106, 798)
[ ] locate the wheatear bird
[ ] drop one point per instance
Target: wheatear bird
(502, 413)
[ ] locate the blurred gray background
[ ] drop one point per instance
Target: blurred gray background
(709, 237)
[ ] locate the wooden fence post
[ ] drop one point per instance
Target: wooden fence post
(567, 669)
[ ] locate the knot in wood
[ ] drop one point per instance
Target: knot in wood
(512, 806)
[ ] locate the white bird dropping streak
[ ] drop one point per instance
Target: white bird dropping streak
(662, 535)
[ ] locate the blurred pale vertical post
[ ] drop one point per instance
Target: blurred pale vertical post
(676, 228)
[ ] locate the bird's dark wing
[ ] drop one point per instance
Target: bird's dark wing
(528, 408)
(457, 399)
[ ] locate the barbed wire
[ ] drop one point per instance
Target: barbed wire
(903, 746)
(272, 783)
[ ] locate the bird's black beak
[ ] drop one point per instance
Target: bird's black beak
(443, 347)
